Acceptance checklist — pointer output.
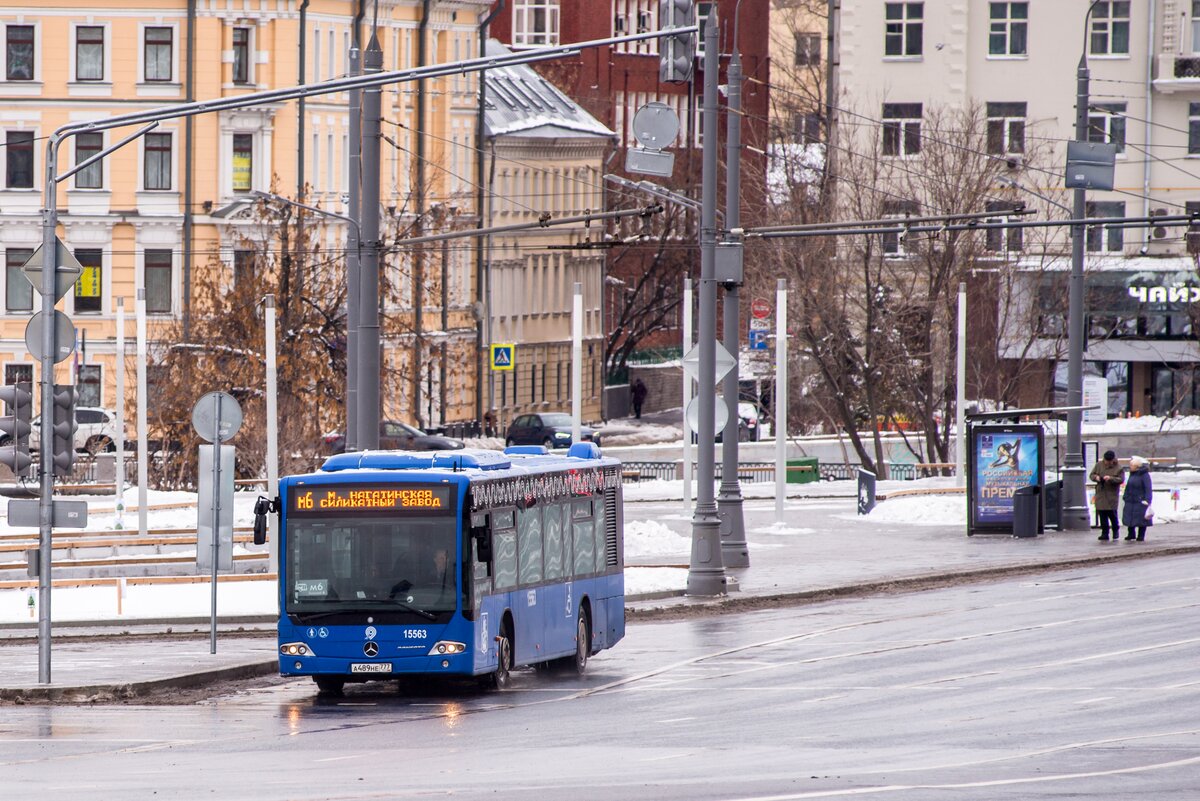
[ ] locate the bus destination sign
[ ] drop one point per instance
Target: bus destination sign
(375, 498)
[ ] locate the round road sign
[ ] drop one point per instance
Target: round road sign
(760, 308)
(217, 417)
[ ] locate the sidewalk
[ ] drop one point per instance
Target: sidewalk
(822, 550)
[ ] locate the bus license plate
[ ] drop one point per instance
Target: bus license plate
(370, 667)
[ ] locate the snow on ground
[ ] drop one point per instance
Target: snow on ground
(648, 538)
(624, 433)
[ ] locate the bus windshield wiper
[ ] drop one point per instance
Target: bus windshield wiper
(350, 607)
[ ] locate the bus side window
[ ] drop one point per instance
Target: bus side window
(504, 550)
(529, 542)
(553, 527)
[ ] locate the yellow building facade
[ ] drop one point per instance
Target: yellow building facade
(161, 210)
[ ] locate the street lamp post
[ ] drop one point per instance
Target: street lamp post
(1074, 495)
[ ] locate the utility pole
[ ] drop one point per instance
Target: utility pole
(706, 573)
(368, 309)
(353, 267)
(734, 550)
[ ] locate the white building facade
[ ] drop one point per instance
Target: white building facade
(1016, 61)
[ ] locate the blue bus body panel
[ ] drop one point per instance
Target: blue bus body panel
(544, 616)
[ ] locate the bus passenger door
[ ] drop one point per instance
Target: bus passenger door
(559, 593)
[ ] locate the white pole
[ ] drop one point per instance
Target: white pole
(119, 491)
(781, 398)
(576, 362)
(960, 423)
(272, 434)
(687, 391)
(143, 450)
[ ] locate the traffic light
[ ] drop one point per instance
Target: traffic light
(62, 452)
(678, 51)
(15, 454)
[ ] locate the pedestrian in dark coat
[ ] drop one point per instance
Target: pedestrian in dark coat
(1108, 475)
(638, 393)
(1139, 492)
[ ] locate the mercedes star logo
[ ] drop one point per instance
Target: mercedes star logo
(371, 649)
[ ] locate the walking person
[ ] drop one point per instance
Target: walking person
(637, 394)
(1108, 475)
(1139, 492)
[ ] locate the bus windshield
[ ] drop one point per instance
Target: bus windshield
(378, 565)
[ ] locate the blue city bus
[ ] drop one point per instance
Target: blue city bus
(463, 563)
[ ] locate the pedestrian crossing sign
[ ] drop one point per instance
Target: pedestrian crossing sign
(503, 357)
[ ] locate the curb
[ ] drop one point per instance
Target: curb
(102, 693)
(929, 581)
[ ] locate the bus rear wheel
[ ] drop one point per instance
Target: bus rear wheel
(329, 686)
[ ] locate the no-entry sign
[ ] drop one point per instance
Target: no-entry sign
(760, 308)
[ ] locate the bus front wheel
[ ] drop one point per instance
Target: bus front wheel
(502, 677)
(328, 686)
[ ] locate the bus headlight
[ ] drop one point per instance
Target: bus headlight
(296, 649)
(447, 647)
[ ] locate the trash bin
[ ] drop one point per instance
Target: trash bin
(1053, 505)
(803, 471)
(1025, 511)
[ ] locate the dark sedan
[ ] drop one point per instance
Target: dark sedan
(398, 436)
(550, 430)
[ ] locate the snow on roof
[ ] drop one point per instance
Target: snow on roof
(521, 102)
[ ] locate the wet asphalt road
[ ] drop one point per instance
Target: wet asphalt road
(1078, 684)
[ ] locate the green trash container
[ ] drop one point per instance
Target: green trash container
(803, 471)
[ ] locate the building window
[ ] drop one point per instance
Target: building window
(901, 129)
(1110, 28)
(703, 10)
(158, 281)
(1099, 238)
(808, 50)
(89, 53)
(1106, 123)
(86, 146)
(1002, 240)
(19, 160)
(87, 384)
(243, 162)
(158, 45)
(893, 243)
(903, 29)
(18, 292)
(89, 286)
(1193, 127)
(1007, 35)
(17, 374)
(535, 23)
(158, 161)
(243, 267)
(1005, 128)
(806, 127)
(241, 55)
(19, 53)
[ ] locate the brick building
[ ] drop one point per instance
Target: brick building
(611, 83)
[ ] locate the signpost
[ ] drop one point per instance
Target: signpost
(217, 418)
(504, 357)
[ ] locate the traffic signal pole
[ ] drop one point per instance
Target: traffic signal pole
(706, 571)
(734, 550)
(45, 466)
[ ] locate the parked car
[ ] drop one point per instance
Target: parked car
(394, 435)
(96, 432)
(552, 430)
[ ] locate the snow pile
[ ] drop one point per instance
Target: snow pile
(635, 432)
(922, 510)
(649, 538)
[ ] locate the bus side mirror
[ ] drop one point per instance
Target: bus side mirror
(262, 507)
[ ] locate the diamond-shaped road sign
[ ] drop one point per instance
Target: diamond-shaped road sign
(725, 363)
(66, 273)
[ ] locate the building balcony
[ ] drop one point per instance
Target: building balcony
(1178, 73)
